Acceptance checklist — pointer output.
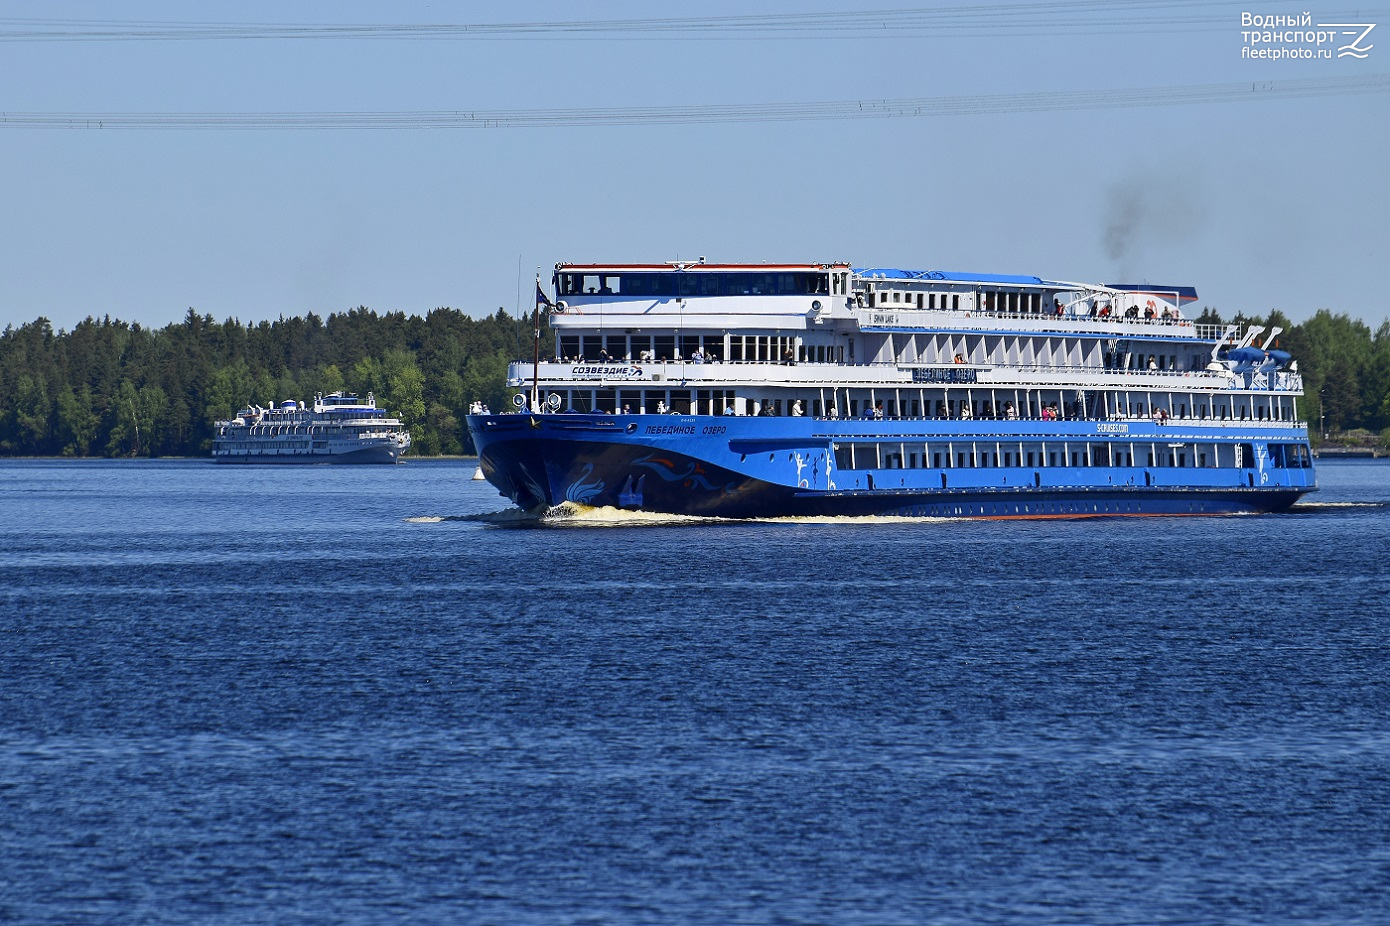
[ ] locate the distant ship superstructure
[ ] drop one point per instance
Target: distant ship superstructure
(338, 428)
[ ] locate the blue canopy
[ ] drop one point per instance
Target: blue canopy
(1246, 355)
(889, 273)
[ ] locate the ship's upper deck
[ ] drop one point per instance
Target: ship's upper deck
(799, 297)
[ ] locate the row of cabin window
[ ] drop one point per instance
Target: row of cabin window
(1032, 408)
(738, 348)
(687, 283)
(922, 300)
(275, 444)
(713, 402)
(976, 454)
(1018, 303)
(650, 401)
(773, 349)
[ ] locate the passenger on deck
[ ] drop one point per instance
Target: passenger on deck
(796, 409)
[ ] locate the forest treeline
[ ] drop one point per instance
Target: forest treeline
(113, 389)
(1345, 368)
(109, 388)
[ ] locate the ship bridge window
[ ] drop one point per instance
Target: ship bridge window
(588, 284)
(693, 283)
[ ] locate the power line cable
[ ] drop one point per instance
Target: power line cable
(1064, 16)
(732, 113)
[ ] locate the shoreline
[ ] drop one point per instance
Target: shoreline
(1352, 453)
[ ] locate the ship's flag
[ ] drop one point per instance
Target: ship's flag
(542, 300)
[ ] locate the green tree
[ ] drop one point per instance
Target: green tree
(77, 421)
(485, 380)
(232, 388)
(1341, 399)
(139, 413)
(398, 385)
(32, 411)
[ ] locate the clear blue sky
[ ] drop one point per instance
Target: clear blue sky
(1274, 202)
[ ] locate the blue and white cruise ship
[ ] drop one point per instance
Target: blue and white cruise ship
(754, 390)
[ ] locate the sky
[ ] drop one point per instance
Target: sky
(641, 131)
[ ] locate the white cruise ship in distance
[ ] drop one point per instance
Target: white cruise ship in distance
(338, 428)
(748, 390)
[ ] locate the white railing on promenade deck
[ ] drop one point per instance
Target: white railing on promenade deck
(759, 371)
(905, 317)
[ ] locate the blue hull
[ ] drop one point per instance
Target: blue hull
(751, 468)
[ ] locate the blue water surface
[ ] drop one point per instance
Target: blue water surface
(339, 695)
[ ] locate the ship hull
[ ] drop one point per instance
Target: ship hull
(360, 455)
(786, 468)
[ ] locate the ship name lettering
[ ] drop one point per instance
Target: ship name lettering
(669, 429)
(950, 375)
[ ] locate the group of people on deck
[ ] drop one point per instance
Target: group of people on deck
(643, 356)
(1105, 310)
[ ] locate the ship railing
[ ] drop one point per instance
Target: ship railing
(1172, 420)
(618, 372)
(904, 316)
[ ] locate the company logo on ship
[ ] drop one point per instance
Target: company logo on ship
(606, 371)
